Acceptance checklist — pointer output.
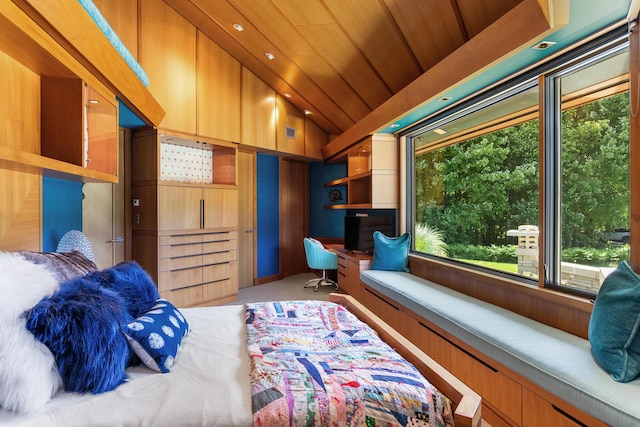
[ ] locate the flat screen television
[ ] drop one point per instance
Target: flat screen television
(358, 231)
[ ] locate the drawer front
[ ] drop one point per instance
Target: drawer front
(496, 389)
(180, 239)
(176, 279)
(221, 289)
(179, 249)
(342, 274)
(538, 412)
(216, 272)
(218, 257)
(184, 297)
(181, 263)
(220, 236)
(223, 245)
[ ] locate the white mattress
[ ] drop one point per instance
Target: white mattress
(208, 385)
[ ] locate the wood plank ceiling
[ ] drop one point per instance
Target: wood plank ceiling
(340, 59)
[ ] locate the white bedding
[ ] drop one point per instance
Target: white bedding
(208, 385)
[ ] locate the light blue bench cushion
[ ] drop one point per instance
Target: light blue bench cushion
(113, 38)
(557, 361)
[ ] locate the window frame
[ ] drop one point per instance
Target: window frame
(549, 143)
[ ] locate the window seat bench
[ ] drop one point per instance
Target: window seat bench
(554, 360)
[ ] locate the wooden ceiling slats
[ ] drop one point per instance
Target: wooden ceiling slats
(346, 59)
(430, 28)
(342, 59)
(370, 25)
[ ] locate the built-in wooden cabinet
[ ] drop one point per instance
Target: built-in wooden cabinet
(168, 56)
(79, 124)
(372, 174)
(258, 112)
(185, 215)
(350, 264)
(218, 80)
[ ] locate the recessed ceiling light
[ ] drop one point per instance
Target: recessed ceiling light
(395, 125)
(440, 131)
(445, 98)
(545, 44)
(270, 55)
(287, 95)
(238, 27)
(307, 112)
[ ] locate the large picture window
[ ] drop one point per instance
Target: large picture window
(475, 175)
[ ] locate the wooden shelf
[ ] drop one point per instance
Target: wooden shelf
(372, 175)
(14, 159)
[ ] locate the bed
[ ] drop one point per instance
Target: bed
(209, 383)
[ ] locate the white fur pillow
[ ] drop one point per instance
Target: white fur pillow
(28, 373)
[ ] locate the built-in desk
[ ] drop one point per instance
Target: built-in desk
(350, 264)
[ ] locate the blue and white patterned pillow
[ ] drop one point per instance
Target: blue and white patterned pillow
(155, 337)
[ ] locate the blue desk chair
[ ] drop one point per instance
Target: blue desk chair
(319, 258)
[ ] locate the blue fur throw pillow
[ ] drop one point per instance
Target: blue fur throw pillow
(132, 283)
(80, 324)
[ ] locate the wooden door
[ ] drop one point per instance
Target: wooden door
(103, 216)
(246, 218)
(293, 217)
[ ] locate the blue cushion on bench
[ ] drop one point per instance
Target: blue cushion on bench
(551, 358)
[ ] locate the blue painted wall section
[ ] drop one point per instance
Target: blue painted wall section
(326, 222)
(61, 210)
(268, 212)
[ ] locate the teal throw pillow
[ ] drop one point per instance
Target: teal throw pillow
(615, 319)
(390, 253)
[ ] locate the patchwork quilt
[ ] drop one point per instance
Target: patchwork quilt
(313, 363)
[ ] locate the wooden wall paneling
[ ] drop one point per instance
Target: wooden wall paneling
(218, 95)
(144, 216)
(20, 106)
(143, 150)
(258, 112)
(289, 116)
(168, 55)
(20, 210)
(314, 139)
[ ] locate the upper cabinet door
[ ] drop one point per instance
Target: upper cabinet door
(168, 55)
(218, 92)
(258, 112)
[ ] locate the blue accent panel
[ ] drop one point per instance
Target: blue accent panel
(127, 118)
(268, 208)
(326, 222)
(61, 210)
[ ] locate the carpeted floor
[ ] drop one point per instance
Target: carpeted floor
(289, 288)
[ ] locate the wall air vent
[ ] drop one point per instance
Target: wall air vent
(290, 132)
